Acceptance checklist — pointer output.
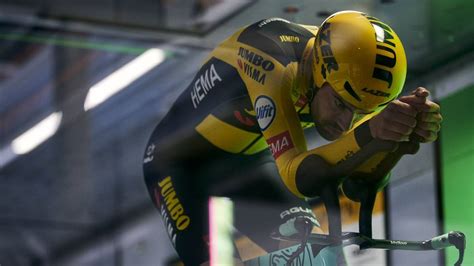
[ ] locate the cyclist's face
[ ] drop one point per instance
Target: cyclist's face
(331, 114)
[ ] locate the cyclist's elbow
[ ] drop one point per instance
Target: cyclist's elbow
(313, 175)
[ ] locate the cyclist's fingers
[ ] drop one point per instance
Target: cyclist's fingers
(433, 107)
(413, 100)
(393, 136)
(428, 106)
(427, 135)
(421, 92)
(400, 128)
(430, 117)
(402, 107)
(429, 126)
(402, 118)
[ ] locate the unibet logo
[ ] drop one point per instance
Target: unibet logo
(265, 111)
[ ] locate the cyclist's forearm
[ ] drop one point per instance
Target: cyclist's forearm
(382, 163)
(314, 173)
(304, 165)
(357, 151)
(341, 149)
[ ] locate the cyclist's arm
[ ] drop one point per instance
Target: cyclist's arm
(285, 136)
(304, 170)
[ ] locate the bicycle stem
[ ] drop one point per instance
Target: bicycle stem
(368, 190)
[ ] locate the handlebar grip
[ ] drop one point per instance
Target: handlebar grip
(458, 239)
(453, 238)
(440, 242)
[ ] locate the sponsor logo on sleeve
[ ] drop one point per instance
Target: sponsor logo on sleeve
(256, 59)
(265, 111)
(254, 65)
(204, 84)
(280, 143)
(289, 38)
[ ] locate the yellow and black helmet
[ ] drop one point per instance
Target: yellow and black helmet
(361, 57)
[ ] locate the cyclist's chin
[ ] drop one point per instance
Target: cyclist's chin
(329, 132)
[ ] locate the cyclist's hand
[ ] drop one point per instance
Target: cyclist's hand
(429, 117)
(396, 122)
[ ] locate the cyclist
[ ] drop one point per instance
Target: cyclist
(245, 112)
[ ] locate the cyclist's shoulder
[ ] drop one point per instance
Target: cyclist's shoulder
(311, 28)
(274, 27)
(279, 38)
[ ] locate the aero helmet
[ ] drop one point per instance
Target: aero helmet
(361, 57)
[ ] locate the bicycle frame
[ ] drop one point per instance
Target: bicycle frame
(319, 249)
(331, 245)
(332, 248)
(327, 256)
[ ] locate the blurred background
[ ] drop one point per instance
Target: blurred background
(76, 113)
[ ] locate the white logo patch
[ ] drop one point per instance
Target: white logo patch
(149, 153)
(265, 111)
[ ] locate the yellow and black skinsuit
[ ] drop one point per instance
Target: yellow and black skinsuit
(246, 107)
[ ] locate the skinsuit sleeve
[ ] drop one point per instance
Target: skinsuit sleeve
(270, 81)
(269, 70)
